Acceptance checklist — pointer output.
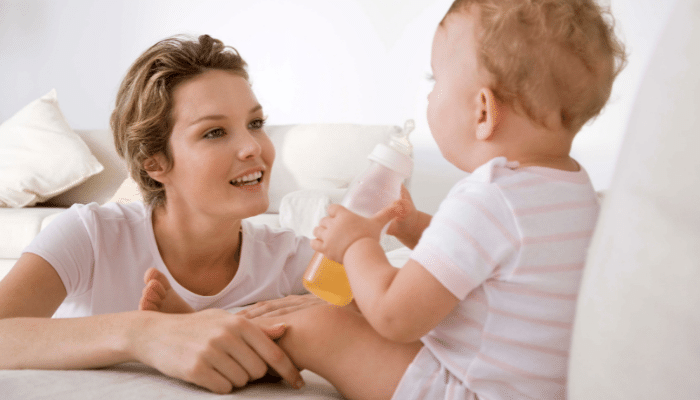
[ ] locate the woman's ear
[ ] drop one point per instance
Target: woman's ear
(488, 114)
(155, 167)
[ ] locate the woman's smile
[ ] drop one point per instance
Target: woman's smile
(249, 181)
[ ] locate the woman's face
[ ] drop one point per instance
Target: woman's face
(222, 156)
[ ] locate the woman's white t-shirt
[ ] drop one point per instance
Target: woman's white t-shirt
(101, 254)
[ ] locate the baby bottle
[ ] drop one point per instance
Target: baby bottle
(371, 191)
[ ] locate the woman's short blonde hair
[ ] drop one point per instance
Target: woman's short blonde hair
(548, 57)
(142, 118)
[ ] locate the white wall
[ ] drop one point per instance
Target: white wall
(360, 61)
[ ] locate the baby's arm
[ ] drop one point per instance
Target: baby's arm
(401, 304)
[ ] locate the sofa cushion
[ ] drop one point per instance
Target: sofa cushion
(40, 155)
(637, 322)
(20, 226)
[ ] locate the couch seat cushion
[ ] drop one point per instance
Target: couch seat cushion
(20, 226)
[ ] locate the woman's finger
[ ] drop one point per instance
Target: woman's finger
(229, 368)
(240, 353)
(278, 307)
(203, 374)
(272, 354)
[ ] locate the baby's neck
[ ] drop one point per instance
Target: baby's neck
(531, 144)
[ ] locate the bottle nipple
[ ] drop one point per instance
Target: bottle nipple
(399, 140)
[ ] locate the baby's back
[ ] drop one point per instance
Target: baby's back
(510, 337)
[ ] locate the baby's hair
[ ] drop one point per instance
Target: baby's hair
(553, 60)
(142, 118)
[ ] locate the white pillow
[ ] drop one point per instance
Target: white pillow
(302, 210)
(40, 155)
(320, 156)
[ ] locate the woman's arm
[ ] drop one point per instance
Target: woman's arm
(29, 295)
(213, 348)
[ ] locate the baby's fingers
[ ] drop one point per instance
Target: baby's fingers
(317, 245)
(334, 209)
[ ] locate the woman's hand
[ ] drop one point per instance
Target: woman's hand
(341, 228)
(213, 349)
(278, 307)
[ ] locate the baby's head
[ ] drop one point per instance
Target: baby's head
(553, 61)
(142, 118)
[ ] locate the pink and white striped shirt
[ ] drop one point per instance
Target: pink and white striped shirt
(511, 244)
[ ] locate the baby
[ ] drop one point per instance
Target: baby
(484, 307)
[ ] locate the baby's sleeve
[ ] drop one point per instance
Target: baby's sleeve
(468, 239)
(66, 245)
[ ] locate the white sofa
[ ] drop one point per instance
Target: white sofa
(637, 329)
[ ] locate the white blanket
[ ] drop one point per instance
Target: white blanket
(138, 381)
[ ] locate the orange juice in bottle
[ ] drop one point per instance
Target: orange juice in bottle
(327, 280)
(377, 187)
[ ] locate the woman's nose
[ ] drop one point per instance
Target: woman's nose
(248, 146)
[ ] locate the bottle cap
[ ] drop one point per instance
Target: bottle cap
(392, 159)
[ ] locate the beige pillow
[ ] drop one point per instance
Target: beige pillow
(40, 155)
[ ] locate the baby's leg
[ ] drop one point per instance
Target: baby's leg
(158, 295)
(340, 345)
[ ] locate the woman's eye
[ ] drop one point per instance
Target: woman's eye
(257, 124)
(214, 133)
(430, 78)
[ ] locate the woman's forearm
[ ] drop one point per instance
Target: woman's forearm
(71, 343)
(213, 348)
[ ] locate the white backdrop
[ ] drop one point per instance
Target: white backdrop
(359, 61)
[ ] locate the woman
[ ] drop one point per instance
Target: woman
(191, 131)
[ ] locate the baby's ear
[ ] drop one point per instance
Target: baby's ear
(488, 114)
(155, 167)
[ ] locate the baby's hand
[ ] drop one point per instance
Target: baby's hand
(405, 220)
(341, 228)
